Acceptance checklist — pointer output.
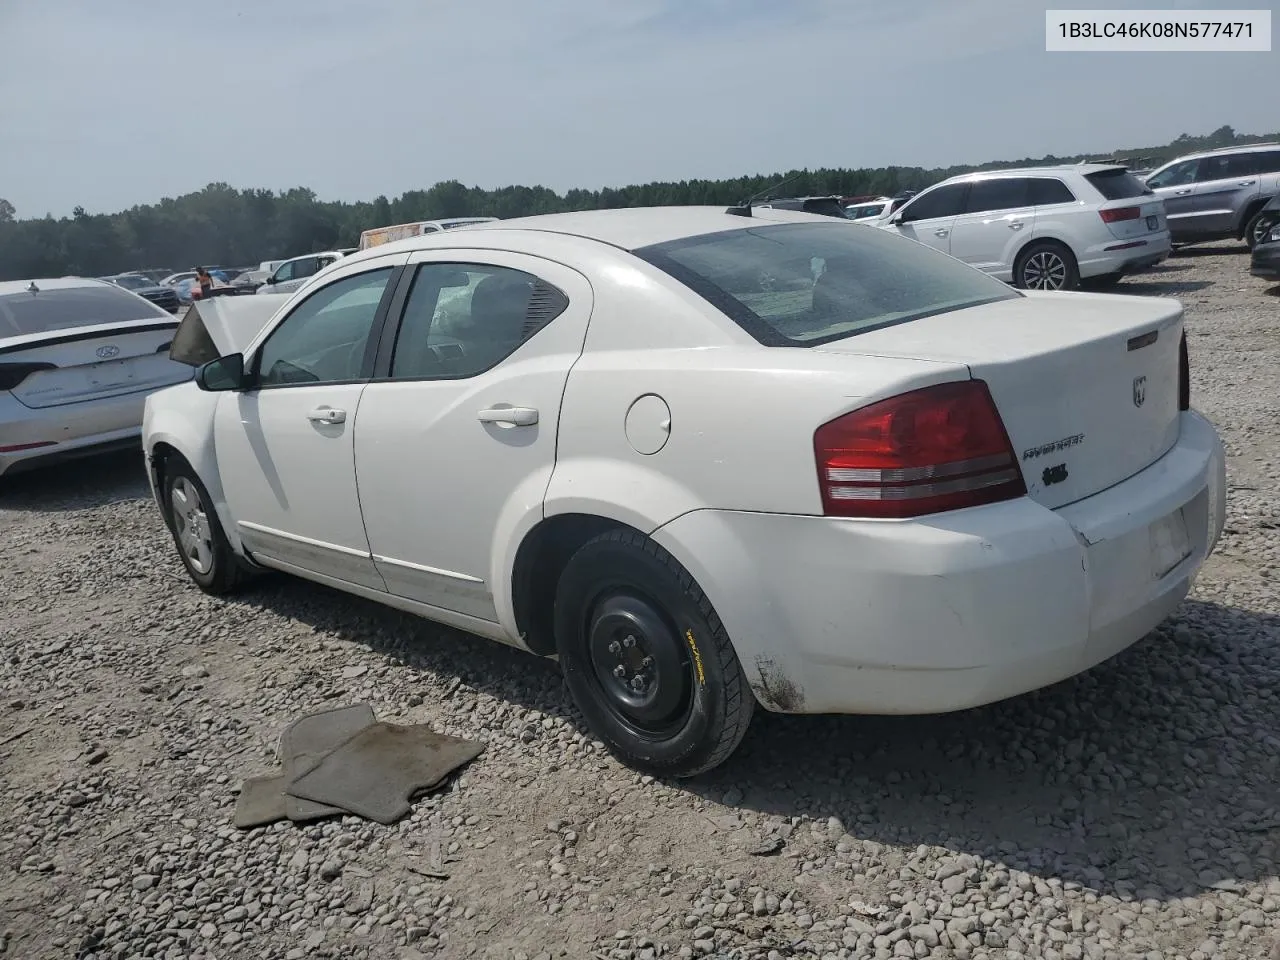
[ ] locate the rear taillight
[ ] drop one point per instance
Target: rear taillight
(1184, 375)
(940, 448)
(1116, 214)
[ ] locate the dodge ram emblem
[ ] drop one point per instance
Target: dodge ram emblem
(107, 352)
(1139, 391)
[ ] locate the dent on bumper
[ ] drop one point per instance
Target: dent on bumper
(966, 608)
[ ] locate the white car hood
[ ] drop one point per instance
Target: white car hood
(222, 325)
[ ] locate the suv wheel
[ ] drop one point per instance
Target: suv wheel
(1257, 229)
(1046, 265)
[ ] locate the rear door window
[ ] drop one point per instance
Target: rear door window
(70, 307)
(1002, 193)
(1117, 184)
(1227, 166)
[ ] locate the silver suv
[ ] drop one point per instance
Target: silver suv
(1218, 194)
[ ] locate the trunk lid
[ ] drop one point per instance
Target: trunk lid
(90, 363)
(1150, 217)
(1087, 384)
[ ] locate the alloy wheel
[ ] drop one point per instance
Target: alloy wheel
(1044, 270)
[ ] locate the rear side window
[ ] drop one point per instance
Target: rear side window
(1046, 191)
(794, 285)
(1005, 193)
(1117, 184)
(69, 307)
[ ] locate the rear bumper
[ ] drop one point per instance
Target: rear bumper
(70, 431)
(1116, 256)
(959, 610)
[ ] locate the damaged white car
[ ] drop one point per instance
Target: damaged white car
(711, 459)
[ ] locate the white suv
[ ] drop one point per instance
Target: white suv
(1045, 228)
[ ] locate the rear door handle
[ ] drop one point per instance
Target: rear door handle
(1247, 183)
(327, 415)
(1015, 224)
(516, 416)
(1181, 193)
(941, 233)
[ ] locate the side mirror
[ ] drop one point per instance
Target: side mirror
(270, 279)
(225, 373)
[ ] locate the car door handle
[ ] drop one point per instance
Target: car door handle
(327, 415)
(1247, 183)
(516, 416)
(941, 233)
(1015, 224)
(1181, 193)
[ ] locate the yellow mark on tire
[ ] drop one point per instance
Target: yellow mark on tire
(697, 657)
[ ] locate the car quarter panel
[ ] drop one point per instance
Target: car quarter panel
(956, 610)
(735, 419)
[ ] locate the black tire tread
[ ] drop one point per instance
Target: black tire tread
(739, 700)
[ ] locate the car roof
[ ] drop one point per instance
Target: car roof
(627, 227)
(8, 287)
(1084, 169)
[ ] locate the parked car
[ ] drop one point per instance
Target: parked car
(1265, 260)
(379, 235)
(1043, 228)
(164, 297)
(77, 359)
(1219, 194)
(185, 281)
(868, 209)
(826, 206)
(292, 274)
(881, 483)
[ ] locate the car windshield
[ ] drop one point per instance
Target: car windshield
(810, 283)
(67, 307)
(1118, 184)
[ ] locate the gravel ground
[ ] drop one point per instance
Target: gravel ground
(1133, 812)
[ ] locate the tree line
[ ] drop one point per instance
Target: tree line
(223, 225)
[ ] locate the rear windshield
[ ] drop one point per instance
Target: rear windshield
(804, 284)
(61, 309)
(1118, 184)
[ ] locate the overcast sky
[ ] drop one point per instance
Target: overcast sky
(108, 105)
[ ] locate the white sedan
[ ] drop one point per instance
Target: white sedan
(712, 461)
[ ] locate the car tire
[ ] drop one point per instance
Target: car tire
(1046, 265)
(646, 658)
(1254, 231)
(197, 533)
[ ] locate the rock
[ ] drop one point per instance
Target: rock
(144, 881)
(330, 870)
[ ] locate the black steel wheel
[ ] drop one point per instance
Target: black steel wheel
(646, 658)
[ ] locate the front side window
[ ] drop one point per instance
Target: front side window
(69, 307)
(1003, 193)
(806, 284)
(285, 272)
(1177, 175)
(307, 267)
(461, 319)
(323, 340)
(943, 202)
